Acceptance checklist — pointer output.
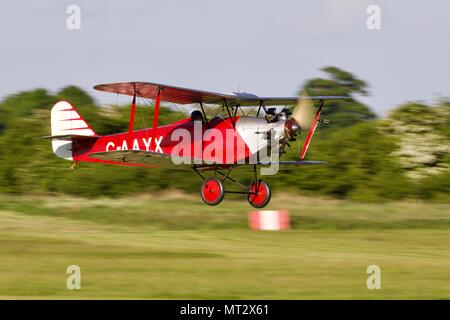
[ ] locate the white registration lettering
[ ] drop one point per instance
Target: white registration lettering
(158, 145)
(110, 145)
(147, 143)
(135, 145)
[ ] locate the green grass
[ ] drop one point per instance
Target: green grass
(172, 246)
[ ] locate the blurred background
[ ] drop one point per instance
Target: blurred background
(404, 155)
(384, 197)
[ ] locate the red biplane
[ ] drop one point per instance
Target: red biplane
(218, 144)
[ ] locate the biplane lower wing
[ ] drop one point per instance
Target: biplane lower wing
(286, 165)
(156, 158)
(136, 157)
(298, 163)
(281, 165)
(132, 157)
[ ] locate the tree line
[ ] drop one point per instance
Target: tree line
(402, 156)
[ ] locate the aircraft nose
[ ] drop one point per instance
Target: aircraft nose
(290, 127)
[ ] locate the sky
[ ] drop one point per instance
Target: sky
(269, 48)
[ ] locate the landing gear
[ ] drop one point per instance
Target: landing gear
(212, 191)
(260, 194)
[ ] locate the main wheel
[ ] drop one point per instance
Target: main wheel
(260, 194)
(212, 191)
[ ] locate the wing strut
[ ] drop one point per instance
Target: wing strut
(155, 118)
(132, 112)
(229, 113)
(311, 131)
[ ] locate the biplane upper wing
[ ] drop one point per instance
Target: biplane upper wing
(251, 100)
(181, 95)
(168, 93)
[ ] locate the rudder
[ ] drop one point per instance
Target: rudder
(65, 120)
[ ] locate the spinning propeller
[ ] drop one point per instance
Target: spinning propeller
(305, 116)
(304, 113)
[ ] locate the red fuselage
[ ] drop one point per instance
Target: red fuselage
(232, 150)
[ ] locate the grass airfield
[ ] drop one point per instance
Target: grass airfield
(172, 246)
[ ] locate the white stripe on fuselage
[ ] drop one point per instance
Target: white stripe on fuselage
(253, 131)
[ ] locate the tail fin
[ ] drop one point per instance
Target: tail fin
(66, 121)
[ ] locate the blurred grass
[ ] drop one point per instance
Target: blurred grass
(175, 210)
(172, 246)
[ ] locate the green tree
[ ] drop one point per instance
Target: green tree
(363, 159)
(341, 113)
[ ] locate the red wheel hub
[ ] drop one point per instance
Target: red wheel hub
(260, 194)
(212, 191)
